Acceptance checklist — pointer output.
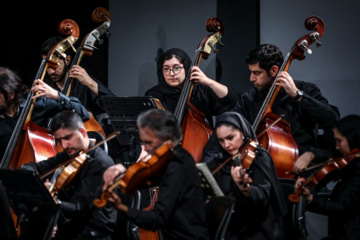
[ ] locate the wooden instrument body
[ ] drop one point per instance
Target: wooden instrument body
(195, 126)
(280, 144)
(196, 132)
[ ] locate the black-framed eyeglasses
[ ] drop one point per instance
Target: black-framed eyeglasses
(175, 70)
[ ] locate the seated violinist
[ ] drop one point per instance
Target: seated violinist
(260, 204)
(179, 211)
(79, 218)
(342, 207)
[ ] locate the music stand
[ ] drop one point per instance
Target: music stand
(123, 112)
(33, 204)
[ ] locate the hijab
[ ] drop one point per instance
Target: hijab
(262, 156)
(349, 127)
(237, 120)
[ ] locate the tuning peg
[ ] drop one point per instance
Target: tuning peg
(218, 38)
(303, 44)
(315, 36)
(214, 49)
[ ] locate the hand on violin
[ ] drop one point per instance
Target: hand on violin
(144, 155)
(286, 81)
(80, 74)
(111, 173)
(241, 179)
(303, 161)
(43, 90)
(116, 202)
(305, 192)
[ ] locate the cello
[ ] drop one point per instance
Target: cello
(100, 14)
(30, 142)
(325, 174)
(195, 127)
(278, 139)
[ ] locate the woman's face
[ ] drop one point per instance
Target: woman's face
(174, 72)
(230, 138)
(341, 142)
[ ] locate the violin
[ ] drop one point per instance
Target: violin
(278, 139)
(195, 127)
(321, 177)
(139, 174)
(75, 165)
(244, 156)
(87, 47)
(30, 142)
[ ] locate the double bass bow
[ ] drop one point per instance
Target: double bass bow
(325, 174)
(87, 47)
(278, 139)
(195, 127)
(30, 142)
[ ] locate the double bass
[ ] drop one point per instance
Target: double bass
(195, 127)
(87, 47)
(30, 142)
(278, 139)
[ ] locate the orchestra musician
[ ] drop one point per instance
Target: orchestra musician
(87, 89)
(260, 204)
(342, 207)
(210, 96)
(299, 103)
(179, 211)
(79, 218)
(48, 102)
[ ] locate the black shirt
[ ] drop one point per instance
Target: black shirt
(179, 211)
(259, 216)
(90, 100)
(304, 117)
(79, 215)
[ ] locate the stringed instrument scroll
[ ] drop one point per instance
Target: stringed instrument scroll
(278, 139)
(195, 126)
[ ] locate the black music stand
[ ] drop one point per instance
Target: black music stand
(35, 208)
(123, 112)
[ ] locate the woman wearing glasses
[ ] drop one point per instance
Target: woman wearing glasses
(210, 97)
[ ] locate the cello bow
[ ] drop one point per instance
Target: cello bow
(99, 14)
(195, 126)
(30, 142)
(285, 153)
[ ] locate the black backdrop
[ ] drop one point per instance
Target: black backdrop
(24, 27)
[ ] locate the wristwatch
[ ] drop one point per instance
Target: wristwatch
(299, 94)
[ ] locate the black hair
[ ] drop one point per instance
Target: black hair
(10, 82)
(66, 119)
(267, 55)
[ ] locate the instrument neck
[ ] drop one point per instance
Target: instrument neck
(69, 81)
(187, 88)
(272, 94)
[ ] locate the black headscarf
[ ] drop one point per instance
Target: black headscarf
(262, 156)
(173, 51)
(349, 127)
(167, 94)
(238, 121)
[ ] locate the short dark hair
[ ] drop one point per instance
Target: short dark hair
(162, 122)
(267, 55)
(66, 119)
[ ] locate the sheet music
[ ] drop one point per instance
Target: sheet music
(208, 182)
